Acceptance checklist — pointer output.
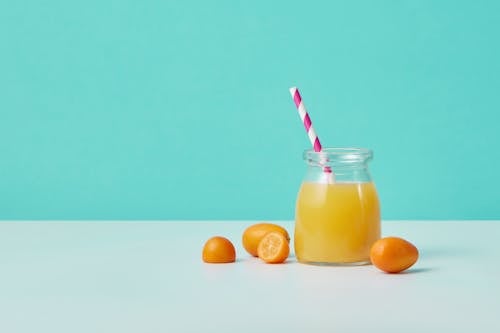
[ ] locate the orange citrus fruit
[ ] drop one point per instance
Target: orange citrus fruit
(393, 254)
(254, 234)
(218, 250)
(273, 248)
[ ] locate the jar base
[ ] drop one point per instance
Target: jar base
(347, 264)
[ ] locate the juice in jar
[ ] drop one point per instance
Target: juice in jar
(336, 223)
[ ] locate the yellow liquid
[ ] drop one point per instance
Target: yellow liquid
(336, 223)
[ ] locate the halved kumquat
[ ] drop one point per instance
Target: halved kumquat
(273, 248)
(218, 250)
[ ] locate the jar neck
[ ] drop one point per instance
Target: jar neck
(347, 164)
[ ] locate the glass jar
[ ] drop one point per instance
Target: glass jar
(337, 217)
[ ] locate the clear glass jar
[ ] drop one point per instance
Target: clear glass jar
(337, 217)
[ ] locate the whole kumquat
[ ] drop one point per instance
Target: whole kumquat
(254, 234)
(393, 254)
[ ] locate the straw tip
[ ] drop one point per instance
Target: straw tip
(293, 90)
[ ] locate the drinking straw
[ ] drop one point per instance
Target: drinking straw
(311, 133)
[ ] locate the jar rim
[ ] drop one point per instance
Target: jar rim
(340, 151)
(339, 154)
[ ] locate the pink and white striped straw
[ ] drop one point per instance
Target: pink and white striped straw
(304, 116)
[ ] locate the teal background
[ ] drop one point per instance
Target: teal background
(181, 110)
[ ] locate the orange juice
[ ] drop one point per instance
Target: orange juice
(336, 223)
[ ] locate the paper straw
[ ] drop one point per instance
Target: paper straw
(311, 133)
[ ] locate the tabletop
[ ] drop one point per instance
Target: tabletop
(100, 276)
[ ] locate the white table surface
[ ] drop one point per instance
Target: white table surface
(149, 277)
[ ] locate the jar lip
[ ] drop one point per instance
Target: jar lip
(340, 151)
(339, 154)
